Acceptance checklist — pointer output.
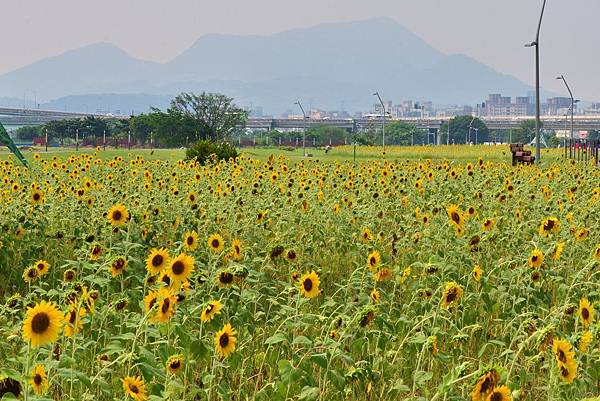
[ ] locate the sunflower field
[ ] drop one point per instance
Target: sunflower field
(281, 279)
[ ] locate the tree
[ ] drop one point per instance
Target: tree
(28, 133)
(141, 126)
(215, 115)
(324, 134)
(403, 133)
(525, 133)
(461, 133)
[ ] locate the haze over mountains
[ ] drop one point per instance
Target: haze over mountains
(323, 66)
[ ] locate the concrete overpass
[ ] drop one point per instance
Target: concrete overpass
(12, 116)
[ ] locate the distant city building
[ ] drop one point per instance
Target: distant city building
(557, 106)
(501, 106)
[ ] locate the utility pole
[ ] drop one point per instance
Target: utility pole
(536, 43)
(573, 101)
(303, 131)
(104, 139)
(46, 129)
(77, 139)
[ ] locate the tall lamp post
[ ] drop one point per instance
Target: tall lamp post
(383, 119)
(536, 43)
(562, 77)
(303, 131)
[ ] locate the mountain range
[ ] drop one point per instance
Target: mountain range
(329, 66)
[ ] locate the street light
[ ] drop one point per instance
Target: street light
(536, 43)
(304, 131)
(383, 119)
(562, 77)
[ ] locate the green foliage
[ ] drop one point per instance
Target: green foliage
(525, 132)
(464, 127)
(28, 133)
(204, 150)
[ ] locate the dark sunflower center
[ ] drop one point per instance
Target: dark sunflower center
(307, 284)
(37, 379)
(215, 243)
(72, 316)
(561, 356)
(451, 295)
(224, 340)
(372, 261)
(190, 240)
(165, 305)
(175, 365)
(564, 371)
(40, 266)
(157, 260)
(117, 215)
(151, 303)
(486, 385)
(226, 277)
(237, 249)
(32, 273)
(69, 275)
(534, 258)
(455, 217)
(36, 197)
(178, 267)
(585, 313)
(496, 396)
(40, 323)
(209, 308)
(549, 225)
(119, 263)
(133, 388)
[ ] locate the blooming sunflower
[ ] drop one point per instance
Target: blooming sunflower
(174, 364)
(568, 370)
(562, 351)
(582, 234)
(39, 381)
(484, 385)
(501, 393)
(37, 197)
(366, 235)
(309, 285)
(166, 305)
(236, 250)
(558, 250)
(585, 340)
(375, 295)
(134, 387)
(536, 258)
(31, 274)
(73, 321)
(549, 225)
(157, 260)
(181, 268)
(150, 301)
(373, 261)
(457, 217)
(212, 309)
(452, 294)
(596, 253)
(586, 312)
(42, 324)
(190, 240)
(42, 267)
(477, 272)
(215, 243)
(225, 341)
(118, 266)
(117, 215)
(488, 224)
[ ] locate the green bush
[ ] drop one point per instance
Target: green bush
(202, 151)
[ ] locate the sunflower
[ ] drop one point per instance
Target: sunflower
(37, 197)
(558, 250)
(190, 240)
(42, 324)
(484, 385)
(549, 225)
(181, 268)
(9, 385)
(225, 278)
(488, 224)
(174, 364)
(501, 393)
(31, 274)
(134, 387)
(373, 261)
(215, 243)
(477, 272)
(150, 301)
(536, 258)
(568, 370)
(212, 309)
(166, 305)
(42, 267)
(562, 351)
(157, 260)
(225, 341)
(69, 275)
(375, 295)
(596, 254)
(582, 234)
(236, 250)
(584, 341)
(73, 320)
(452, 294)
(39, 381)
(309, 285)
(456, 216)
(586, 312)
(366, 235)
(117, 215)
(118, 266)
(95, 252)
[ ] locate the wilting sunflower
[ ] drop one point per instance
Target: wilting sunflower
(215, 243)
(477, 272)
(225, 278)
(165, 309)
(135, 388)
(236, 250)
(42, 324)
(174, 364)
(9, 385)
(118, 266)
(585, 340)
(212, 309)
(373, 261)
(190, 240)
(582, 234)
(117, 215)
(549, 225)
(596, 253)
(536, 258)
(42, 267)
(383, 274)
(181, 268)
(69, 275)
(484, 385)
(558, 250)
(586, 312)
(488, 224)
(501, 393)
(39, 381)
(452, 294)
(73, 321)
(375, 295)
(309, 285)
(456, 216)
(157, 260)
(225, 341)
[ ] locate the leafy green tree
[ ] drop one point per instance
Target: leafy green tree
(214, 115)
(141, 126)
(324, 134)
(525, 133)
(403, 133)
(464, 127)
(28, 133)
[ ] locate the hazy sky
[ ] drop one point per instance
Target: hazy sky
(491, 31)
